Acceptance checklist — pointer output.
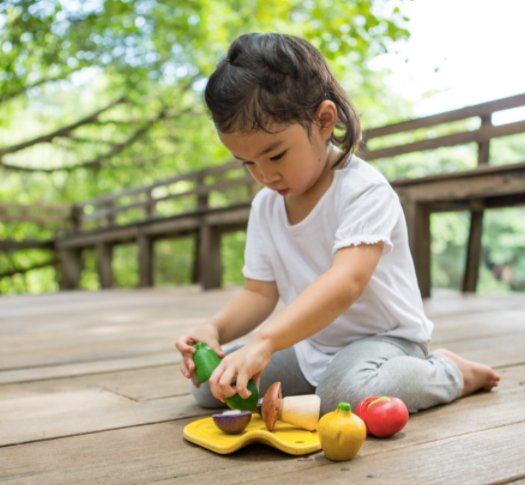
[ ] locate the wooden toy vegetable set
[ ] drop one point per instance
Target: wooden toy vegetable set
(291, 424)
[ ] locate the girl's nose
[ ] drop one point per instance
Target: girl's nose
(269, 176)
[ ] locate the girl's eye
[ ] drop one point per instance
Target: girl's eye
(278, 156)
(247, 164)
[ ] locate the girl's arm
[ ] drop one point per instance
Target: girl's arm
(241, 314)
(314, 309)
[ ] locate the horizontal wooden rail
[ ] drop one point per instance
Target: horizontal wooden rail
(481, 110)
(11, 245)
(472, 190)
(42, 214)
(483, 134)
(199, 190)
(104, 211)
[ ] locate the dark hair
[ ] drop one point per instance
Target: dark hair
(279, 78)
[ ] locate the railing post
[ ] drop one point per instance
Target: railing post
(202, 204)
(104, 264)
(210, 268)
(70, 268)
(418, 224)
(76, 217)
(472, 263)
(145, 254)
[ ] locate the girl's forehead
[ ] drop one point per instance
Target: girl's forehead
(251, 144)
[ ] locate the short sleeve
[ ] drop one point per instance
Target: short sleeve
(257, 265)
(368, 218)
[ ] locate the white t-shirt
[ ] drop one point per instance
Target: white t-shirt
(359, 207)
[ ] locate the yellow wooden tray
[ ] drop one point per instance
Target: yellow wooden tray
(284, 437)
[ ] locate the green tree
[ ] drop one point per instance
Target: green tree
(100, 95)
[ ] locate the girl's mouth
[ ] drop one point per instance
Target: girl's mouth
(282, 192)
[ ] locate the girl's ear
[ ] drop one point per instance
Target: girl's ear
(326, 118)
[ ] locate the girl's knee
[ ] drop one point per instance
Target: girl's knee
(353, 389)
(331, 396)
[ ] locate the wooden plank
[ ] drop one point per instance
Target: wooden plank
(483, 457)
(10, 245)
(125, 425)
(480, 110)
(157, 452)
(448, 303)
(431, 430)
(44, 220)
(455, 328)
(110, 325)
(202, 191)
(480, 135)
(77, 347)
(39, 207)
(230, 218)
(69, 413)
(216, 170)
(483, 187)
(26, 314)
(139, 384)
(511, 171)
(503, 350)
(98, 367)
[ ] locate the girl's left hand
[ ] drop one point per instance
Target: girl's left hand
(240, 366)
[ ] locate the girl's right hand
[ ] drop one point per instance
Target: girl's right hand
(209, 334)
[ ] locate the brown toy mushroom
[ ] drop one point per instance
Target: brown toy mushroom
(301, 411)
(271, 404)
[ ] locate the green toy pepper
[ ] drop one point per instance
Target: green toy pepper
(206, 361)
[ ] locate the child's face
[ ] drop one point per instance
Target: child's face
(290, 160)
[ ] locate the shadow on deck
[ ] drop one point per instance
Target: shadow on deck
(91, 392)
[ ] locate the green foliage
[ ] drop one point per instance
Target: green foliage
(449, 233)
(62, 61)
(501, 268)
(125, 265)
(173, 262)
(232, 255)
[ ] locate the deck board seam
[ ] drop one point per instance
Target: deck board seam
(95, 432)
(79, 376)
(508, 480)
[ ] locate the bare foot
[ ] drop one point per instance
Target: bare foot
(476, 376)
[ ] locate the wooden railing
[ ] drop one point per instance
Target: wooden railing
(207, 203)
(472, 190)
(54, 217)
(191, 191)
(41, 214)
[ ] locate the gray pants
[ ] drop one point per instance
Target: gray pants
(367, 367)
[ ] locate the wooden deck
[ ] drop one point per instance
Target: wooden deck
(91, 392)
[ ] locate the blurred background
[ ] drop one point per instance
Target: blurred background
(101, 95)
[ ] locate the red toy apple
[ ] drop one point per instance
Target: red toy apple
(384, 416)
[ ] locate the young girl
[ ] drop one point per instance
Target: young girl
(327, 236)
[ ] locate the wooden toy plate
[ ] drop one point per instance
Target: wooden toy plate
(284, 437)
